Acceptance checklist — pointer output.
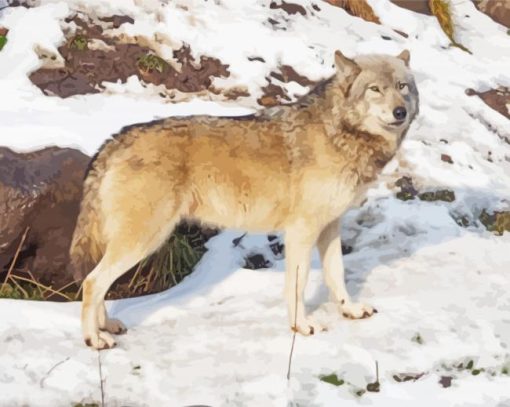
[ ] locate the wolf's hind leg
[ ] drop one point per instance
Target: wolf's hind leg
(120, 255)
(330, 250)
(95, 287)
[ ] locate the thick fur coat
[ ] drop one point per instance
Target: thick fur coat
(295, 168)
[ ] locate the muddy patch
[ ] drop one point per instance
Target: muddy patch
(91, 58)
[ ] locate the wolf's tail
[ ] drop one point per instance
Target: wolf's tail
(87, 245)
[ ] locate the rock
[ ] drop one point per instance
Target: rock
(40, 191)
(498, 10)
(446, 381)
(40, 194)
(446, 158)
(407, 189)
(440, 195)
(256, 262)
(418, 6)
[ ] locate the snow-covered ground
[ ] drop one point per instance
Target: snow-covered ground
(221, 337)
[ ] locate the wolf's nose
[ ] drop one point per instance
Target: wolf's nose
(400, 113)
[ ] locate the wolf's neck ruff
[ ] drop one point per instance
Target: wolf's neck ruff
(326, 104)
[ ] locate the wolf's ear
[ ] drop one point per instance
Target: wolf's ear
(348, 70)
(345, 66)
(405, 56)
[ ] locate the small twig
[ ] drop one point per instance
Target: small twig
(135, 275)
(294, 328)
(237, 241)
(77, 295)
(18, 250)
(100, 377)
(41, 383)
(375, 386)
(67, 285)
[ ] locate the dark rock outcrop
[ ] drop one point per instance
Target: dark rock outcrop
(40, 194)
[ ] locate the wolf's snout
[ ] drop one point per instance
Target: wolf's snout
(400, 113)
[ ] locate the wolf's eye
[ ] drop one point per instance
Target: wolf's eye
(374, 88)
(402, 85)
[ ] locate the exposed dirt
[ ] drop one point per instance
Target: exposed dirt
(88, 65)
(498, 10)
(274, 94)
(498, 99)
(117, 20)
(446, 158)
(418, 6)
(289, 8)
(288, 74)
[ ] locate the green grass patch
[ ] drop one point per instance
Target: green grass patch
(151, 62)
(20, 291)
(332, 379)
(79, 42)
(3, 41)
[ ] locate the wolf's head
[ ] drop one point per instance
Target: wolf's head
(380, 95)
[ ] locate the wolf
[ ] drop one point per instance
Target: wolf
(295, 168)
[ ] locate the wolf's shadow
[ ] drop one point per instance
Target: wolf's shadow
(380, 236)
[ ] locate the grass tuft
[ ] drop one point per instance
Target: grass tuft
(357, 8)
(498, 222)
(332, 379)
(150, 62)
(3, 41)
(79, 42)
(442, 11)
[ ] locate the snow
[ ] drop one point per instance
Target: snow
(221, 338)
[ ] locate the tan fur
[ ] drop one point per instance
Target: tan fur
(294, 168)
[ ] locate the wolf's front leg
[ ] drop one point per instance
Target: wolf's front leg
(298, 248)
(330, 250)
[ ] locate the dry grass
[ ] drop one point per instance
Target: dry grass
(442, 11)
(165, 268)
(357, 8)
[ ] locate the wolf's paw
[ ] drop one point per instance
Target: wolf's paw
(308, 327)
(100, 340)
(356, 310)
(114, 326)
